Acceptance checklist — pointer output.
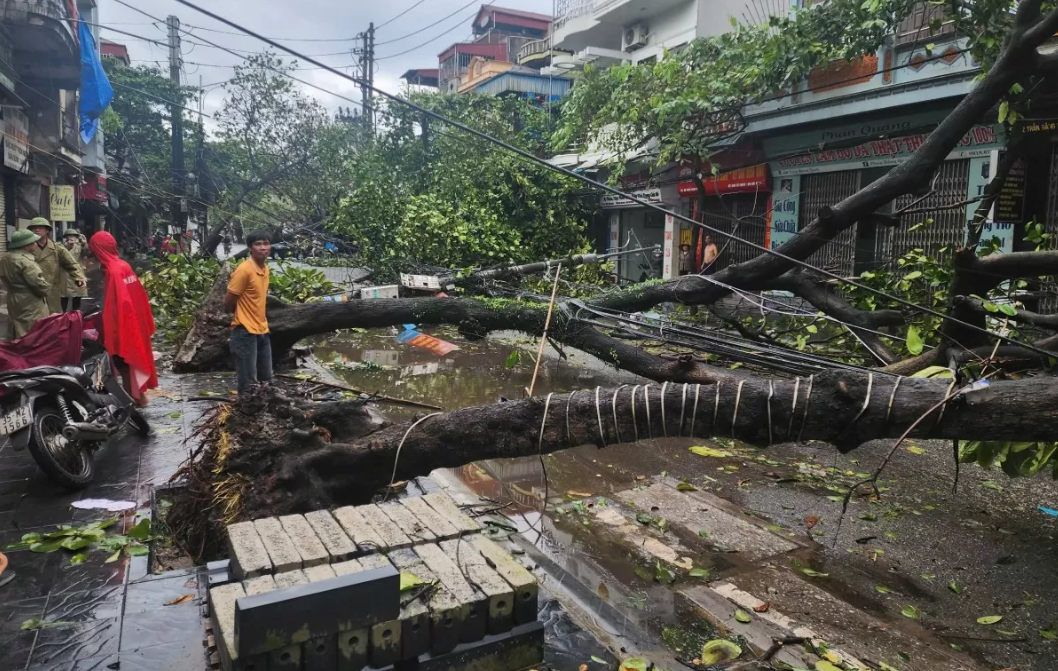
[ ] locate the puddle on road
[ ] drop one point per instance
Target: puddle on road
(614, 586)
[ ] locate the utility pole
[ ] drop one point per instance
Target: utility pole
(366, 67)
(179, 203)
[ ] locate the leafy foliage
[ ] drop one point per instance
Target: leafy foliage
(295, 284)
(82, 540)
(446, 199)
(177, 287)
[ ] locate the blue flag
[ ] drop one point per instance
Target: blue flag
(96, 91)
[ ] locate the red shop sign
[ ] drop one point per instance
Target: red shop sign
(751, 179)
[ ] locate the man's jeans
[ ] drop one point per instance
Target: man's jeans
(253, 357)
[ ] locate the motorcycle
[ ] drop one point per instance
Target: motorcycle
(65, 414)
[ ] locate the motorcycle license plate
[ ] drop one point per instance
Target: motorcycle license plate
(15, 421)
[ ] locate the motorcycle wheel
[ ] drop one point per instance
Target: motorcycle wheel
(139, 422)
(68, 463)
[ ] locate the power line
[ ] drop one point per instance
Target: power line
(635, 199)
(435, 23)
(420, 46)
(383, 25)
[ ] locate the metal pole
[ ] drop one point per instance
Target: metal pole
(179, 203)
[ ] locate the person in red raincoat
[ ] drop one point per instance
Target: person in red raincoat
(128, 323)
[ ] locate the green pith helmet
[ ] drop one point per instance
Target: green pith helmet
(20, 239)
(40, 221)
(72, 232)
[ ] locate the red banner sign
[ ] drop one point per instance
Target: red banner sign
(751, 179)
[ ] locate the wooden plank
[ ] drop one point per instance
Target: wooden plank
(447, 508)
(338, 544)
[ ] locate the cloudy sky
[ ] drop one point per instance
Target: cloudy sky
(411, 41)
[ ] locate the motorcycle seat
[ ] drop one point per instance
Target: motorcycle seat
(73, 371)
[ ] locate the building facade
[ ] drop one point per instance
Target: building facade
(47, 170)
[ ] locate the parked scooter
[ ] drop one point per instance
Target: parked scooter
(65, 414)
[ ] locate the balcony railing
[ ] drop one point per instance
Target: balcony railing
(534, 49)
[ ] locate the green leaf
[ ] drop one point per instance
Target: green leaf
(910, 611)
(46, 547)
(137, 550)
(78, 558)
(989, 619)
(953, 586)
(635, 664)
(742, 616)
(1049, 634)
(993, 485)
(142, 530)
(703, 451)
(913, 275)
(643, 518)
(915, 450)
(990, 306)
(409, 581)
(31, 538)
(914, 341)
(1008, 309)
(882, 589)
(699, 573)
(32, 624)
(814, 574)
(869, 517)
(686, 487)
(514, 359)
(941, 372)
(113, 558)
(76, 543)
(1004, 108)
(824, 665)
(719, 651)
(703, 533)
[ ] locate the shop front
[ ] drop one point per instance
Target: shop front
(633, 226)
(823, 167)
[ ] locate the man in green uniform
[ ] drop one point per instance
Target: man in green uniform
(27, 290)
(53, 259)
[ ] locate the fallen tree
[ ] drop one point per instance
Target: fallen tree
(308, 461)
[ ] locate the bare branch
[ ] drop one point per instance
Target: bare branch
(1022, 316)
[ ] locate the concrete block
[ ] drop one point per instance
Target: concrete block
(347, 567)
(359, 531)
(371, 562)
(259, 585)
(447, 508)
(475, 623)
(318, 573)
(385, 643)
(308, 545)
(285, 659)
(320, 654)
(247, 553)
(290, 579)
(478, 573)
(445, 612)
(352, 649)
(414, 627)
(296, 615)
(338, 544)
(222, 614)
(521, 648)
(280, 548)
(441, 528)
(410, 525)
(522, 581)
(219, 572)
(392, 536)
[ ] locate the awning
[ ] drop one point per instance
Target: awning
(751, 179)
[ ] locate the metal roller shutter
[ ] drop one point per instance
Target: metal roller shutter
(825, 189)
(950, 184)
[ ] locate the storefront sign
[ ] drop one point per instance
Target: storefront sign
(62, 206)
(751, 179)
(423, 341)
(882, 153)
(94, 188)
(670, 247)
(784, 213)
(16, 140)
(980, 176)
(611, 201)
(1010, 205)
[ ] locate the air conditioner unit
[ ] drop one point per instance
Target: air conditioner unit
(635, 37)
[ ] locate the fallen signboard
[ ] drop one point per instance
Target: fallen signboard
(423, 341)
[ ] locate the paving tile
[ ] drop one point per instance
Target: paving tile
(281, 550)
(62, 646)
(447, 508)
(308, 544)
(148, 620)
(186, 655)
(97, 604)
(93, 574)
(414, 528)
(338, 544)
(15, 644)
(98, 663)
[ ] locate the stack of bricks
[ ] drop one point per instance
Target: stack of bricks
(322, 592)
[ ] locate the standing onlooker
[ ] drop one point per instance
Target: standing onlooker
(53, 259)
(247, 297)
(709, 260)
(73, 292)
(27, 289)
(128, 322)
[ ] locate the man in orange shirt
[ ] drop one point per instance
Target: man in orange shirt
(247, 297)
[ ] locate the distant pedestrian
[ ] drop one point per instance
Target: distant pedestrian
(247, 297)
(53, 259)
(72, 292)
(27, 289)
(709, 259)
(686, 260)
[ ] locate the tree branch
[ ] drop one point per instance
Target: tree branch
(1022, 316)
